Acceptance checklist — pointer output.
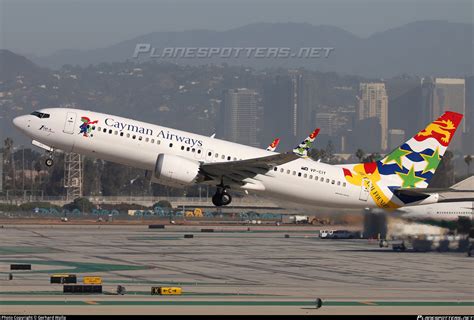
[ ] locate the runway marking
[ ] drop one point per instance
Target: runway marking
(369, 303)
(241, 303)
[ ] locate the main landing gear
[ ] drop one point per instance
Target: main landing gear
(221, 197)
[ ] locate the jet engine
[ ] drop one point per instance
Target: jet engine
(175, 171)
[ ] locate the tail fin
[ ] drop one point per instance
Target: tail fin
(414, 163)
(272, 147)
(302, 149)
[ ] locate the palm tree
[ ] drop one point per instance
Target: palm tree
(468, 160)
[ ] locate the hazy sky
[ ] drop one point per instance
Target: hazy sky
(44, 26)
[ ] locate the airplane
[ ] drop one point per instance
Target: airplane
(458, 203)
(179, 158)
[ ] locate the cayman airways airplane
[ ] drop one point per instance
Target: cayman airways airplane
(178, 158)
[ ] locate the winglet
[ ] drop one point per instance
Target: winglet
(272, 147)
(302, 149)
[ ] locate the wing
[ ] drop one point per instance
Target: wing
(234, 172)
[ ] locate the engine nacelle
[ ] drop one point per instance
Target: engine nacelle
(175, 171)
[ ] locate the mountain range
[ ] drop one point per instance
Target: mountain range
(422, 48)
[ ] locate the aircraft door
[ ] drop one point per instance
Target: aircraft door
(364, 190)
(70, 123)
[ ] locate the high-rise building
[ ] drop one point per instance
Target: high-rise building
(326, 121)
(289, 105)
(396, 137)
(373, 103)
(440, 95)
(239, 116)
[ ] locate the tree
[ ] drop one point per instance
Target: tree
(468, 160)
(360, 154)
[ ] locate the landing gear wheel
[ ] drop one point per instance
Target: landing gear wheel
(221, 198)
(49, 162)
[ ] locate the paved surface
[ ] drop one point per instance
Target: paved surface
(235, 271)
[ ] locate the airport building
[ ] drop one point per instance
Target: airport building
(373, 103)
(239, 116)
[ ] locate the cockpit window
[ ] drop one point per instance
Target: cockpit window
(40, 115)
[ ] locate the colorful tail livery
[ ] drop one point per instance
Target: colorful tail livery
(302, 149)
(272, 147)
(411, 165)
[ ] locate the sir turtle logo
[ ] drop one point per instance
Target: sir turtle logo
(86, 126)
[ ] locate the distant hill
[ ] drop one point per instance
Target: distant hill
(13, 65)
(426, 47)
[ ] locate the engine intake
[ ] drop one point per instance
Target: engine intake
(175, 171)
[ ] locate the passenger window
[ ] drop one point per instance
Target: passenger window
(93, 127)
(327, 180)
(99, 129)
(187, 149)
(171, 145)
(134, 137)
(343, 184)
(322, 179)
(287, 171)
(116, 132)
(182, 147)
(199, 151)
(217, 155)
(209, 154)
(121, 134)
(147, 139)
(333, 182)
(282, 170)
(228, 158)
(235, 159)
(294, 173)
(275, 169)
(223, 157)
(193, 150)
(140, 138)
(152, 141)
(305, 175)
(105, 130)
(128, 135)
(299, 174)
(339, 183)
(110, 131)
(311, 176)
(158, 141)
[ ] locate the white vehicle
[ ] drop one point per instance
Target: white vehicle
(324, 234)
(179, 158)
(299, 219)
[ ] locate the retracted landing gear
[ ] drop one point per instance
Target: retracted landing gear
(221, 197)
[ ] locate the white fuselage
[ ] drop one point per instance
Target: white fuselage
(138, 144)
(442, 211)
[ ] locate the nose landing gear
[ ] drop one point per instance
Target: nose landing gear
(221, 197)
(49, 162)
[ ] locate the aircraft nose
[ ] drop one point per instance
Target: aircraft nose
(21, 122)
(17, 122)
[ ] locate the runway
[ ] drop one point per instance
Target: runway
(231, 270)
